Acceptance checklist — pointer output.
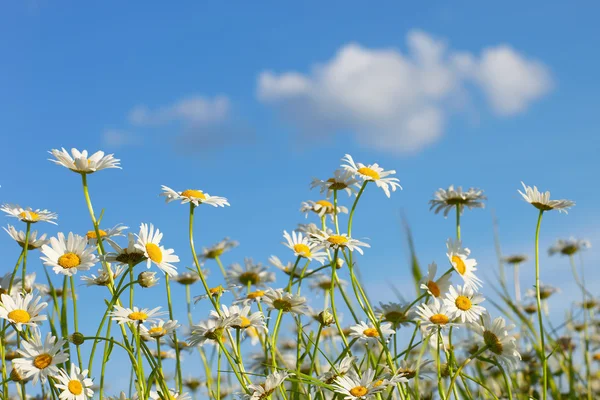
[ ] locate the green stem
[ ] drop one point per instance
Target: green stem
(539, 309)
(458, 371)
(360, 192)
(26, 250)
(75, 322)
(458, 222)
(177, 351)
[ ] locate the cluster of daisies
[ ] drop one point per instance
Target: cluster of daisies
(317, 251)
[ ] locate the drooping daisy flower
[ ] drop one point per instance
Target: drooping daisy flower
(458, 257)
(218, 249)
(193, 196)
(342, 180)
(264, 390)
(148, 241)
(338, 370)
(105, 235)
(568, 247)
(373, 173)
(158, 330)
(394, 313)
(136, 316)
(463, 302)
(5, 284)
(278, 299)
(501, 345)
(353, 387)
(74, 385)
(22, 310)
(103, 278)
(323, 283)
(188, 277)
(250, 297)
(321, 208)
(250, 274)
(28, 214)
(245, 318)
(434, 316)
(542, 201)
(308, 229)
(81, 163)
(436, 288)
(302, 247)
(216, 291)
(40, 359)
(515, 259)
(369, 335)
(288, 268)
(332, 241)
(173, 395)
(211, 329)
(409, 368)
(67, 256)
(545, 291)
(125, 256)
(448, 199)
(20, 237)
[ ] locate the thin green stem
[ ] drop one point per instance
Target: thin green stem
(539, 309)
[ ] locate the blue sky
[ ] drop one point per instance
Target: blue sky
(250, 101)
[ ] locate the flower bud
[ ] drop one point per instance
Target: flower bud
(77, 338)
(326, 318)
(339, 263)
(147, 279)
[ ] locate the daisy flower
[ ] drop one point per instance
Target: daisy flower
(125, 256)
(373, 173)
(435, 288)
(20, 237)
(158, 330)
(68, 255)
(501, 345)
(410, 368)
(394, 313)
(343, 241)
(196, 197)
(338, 370)
(188, 277)
(545, 291)
(568, 247)
(463, 302)
(515, 259)
(458, 257)
(308, 229)
(135, 316)
(278, 299)
(353, 387)
(28, 214)
(216, 291)
(321, 208)
(5, 284)
(369, 335)
(80, 162)
(106, 235)
(173, 395)
(542, 201)
(218, 249)
(245, 319)
(211, 330)
(288, 268)
(264, 390)
(74, 385)
(22, 310)
(302, 247)
(323, 283)
(103, 278)
(250, 297)
(251, 274)
(148, 241)
(448, 199)
(434, 316)
(40, 359)
(342, 180)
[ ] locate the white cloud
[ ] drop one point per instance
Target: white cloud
(400, 102)
(117, 138)
(191, 110)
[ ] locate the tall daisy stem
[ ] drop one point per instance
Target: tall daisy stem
(26, 250)
(458, 209)
(539, 309)
(177, 351)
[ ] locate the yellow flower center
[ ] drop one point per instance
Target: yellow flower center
(492, 341)
(338, 240)
(326, 205)
(336, 185)
(325, 285)
(157, 331)
(378, 383)
(19, 316)
(245, 322)
(282, 305)
(395, 316)
(42, 361)
(138, 316)
(459, 264)
(256, 294)
(92, 234)
(463, 303)
(154, 253)
(371, 332)
(302, 249)
(29, 216)
(215, 252)
(369, 172)
(434, 288)
(358, 391)
(249, 278)
(69, 260)
(75, 387)
(216, 290)
(439, 319)
(196, 194)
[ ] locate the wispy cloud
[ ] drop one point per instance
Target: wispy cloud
(116, 138)
(399, 102)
